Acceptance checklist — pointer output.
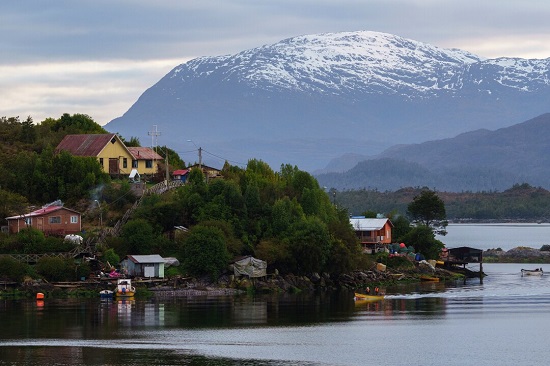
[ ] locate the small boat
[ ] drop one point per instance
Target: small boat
(106, 294)
(124, 288)
(364, 297)
(429, 278)
(532, 272)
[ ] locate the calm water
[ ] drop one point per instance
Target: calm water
(504, 236)
(503, 321)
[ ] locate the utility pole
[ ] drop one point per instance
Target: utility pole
(155, 133)
(200, 153)
(200, 158)
(167, 169)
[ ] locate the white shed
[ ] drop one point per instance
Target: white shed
(143, 265)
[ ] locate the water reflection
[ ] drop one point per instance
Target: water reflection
(302, 329)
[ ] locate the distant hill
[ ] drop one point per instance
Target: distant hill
(309, 99)
(473, 161)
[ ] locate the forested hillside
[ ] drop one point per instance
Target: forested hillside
(521, 202)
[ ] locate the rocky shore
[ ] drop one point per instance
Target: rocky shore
(516, 255)
(230, 285)
(357, 280)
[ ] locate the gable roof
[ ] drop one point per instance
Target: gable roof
(86, 145)
(364, 224)
(204, 167)
(41, 212)
(153, 258)
(144, 153)
(180, 172)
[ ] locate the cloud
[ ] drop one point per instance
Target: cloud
(101, 89)
(97, 57)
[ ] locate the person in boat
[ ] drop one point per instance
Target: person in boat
(376, 291)
(367, 290)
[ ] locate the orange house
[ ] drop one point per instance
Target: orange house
(51, 220)
(374, 234)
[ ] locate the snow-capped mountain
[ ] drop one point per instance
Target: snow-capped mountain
(308, 99)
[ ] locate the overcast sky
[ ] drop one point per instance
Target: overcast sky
(97, 57)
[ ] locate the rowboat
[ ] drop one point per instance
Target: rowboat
(532, 272)
(124, 288)
(429, 278)
(364, 297)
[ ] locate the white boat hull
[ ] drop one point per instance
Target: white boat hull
(531, 272)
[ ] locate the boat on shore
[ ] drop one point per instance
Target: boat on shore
(532, 272)
(429, 278)
(365, 297)
(124, 288)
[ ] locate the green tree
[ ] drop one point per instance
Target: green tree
(55, 269)
(139, 236)
(204, 252)
(310, 245)
(401, 226)
(12, 270)
(423, 240)
(428, 209)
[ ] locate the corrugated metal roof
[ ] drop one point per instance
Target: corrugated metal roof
(364, 224)
(180, 172)
(144, 153)
(41, 212)
(153, 258)
(85, 145)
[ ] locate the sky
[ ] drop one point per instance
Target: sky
(97, 57)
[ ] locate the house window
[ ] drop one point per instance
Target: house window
(55, 220)
(74, 219)
(148, 163)
(134, 163)
(28, 221)
(101, 162)
(124, 163)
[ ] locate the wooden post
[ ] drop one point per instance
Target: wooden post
(481, 268)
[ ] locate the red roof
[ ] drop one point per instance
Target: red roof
(85, 145)
(180, 172)
(41, 212)
(144, 153)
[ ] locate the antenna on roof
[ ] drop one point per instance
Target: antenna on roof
(155, 133)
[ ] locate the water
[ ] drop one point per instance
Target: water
(502, 321)
(492, 236)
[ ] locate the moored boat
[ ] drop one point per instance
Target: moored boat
(364, 297)
(532, 272)
(106, 294)
(429, 278)
(124, 288)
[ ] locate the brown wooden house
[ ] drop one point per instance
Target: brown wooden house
(51, 220)
(374, 234)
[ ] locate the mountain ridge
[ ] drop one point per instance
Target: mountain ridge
(477, 160)
(307, 99)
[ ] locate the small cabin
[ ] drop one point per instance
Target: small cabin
(180, 174)
(374, 234)
(146, 266)
(51, 220)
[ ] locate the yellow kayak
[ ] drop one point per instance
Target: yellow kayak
(429, 278)
(363, 297)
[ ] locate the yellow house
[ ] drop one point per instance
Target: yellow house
(145, 160)
(113, 155)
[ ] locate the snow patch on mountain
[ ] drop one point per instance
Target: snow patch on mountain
(362, 62)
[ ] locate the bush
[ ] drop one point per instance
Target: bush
(56, 269)
(399, 263)
(545, 248)
(12, 270)
(204, 252)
